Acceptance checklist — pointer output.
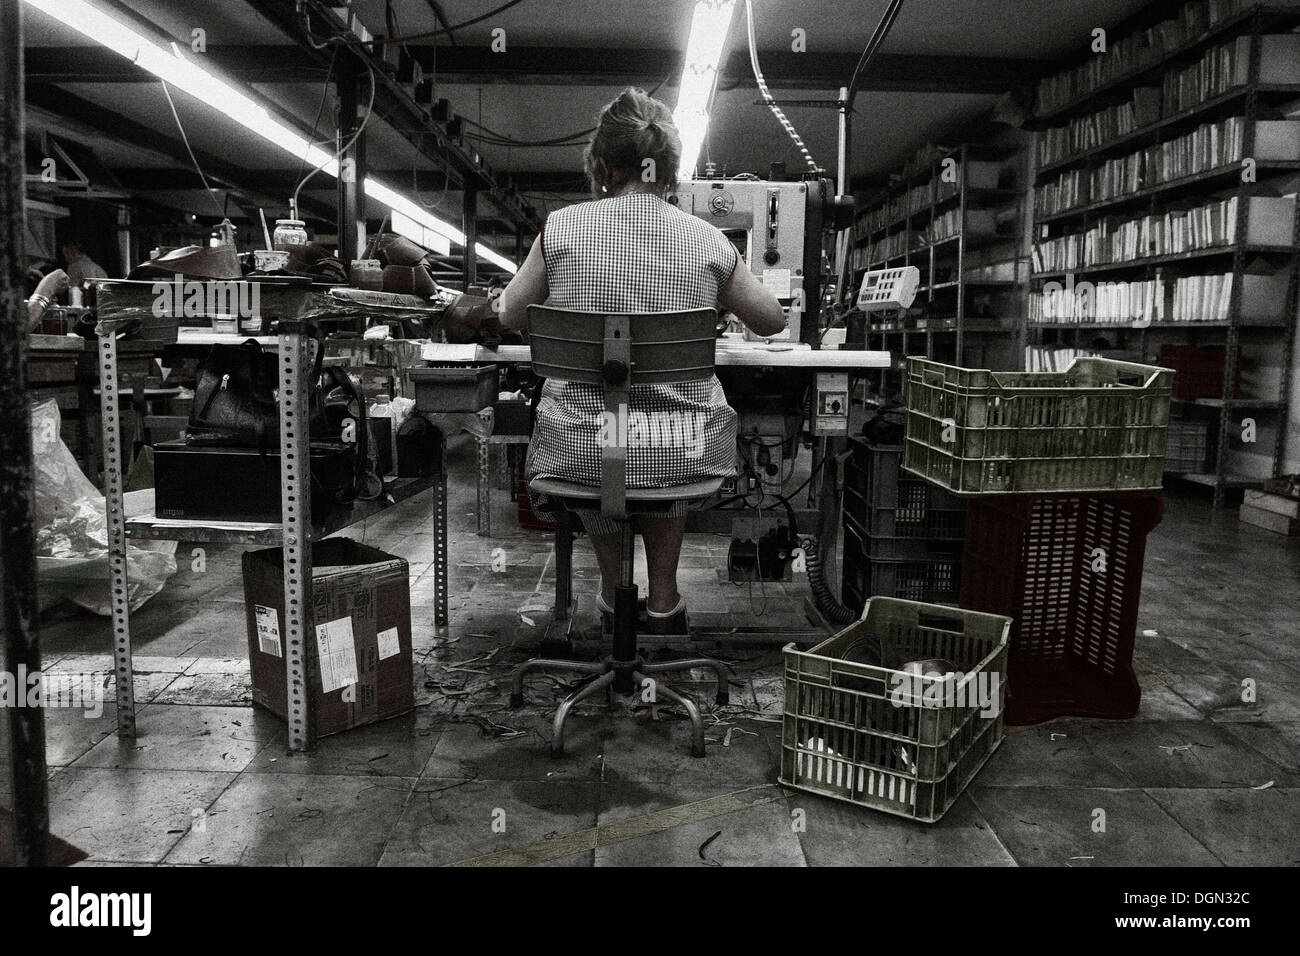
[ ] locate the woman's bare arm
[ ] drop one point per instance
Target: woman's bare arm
(528, 287)
(753, 304)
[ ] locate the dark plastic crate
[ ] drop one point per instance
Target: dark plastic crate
(875, 737)
(443, 387)
(1187, 447)
(901, 516)
(1032, 558)
(932, 580)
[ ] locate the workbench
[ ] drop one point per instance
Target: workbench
(294, 533)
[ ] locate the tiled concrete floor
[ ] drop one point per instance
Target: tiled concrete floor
(1199, 777)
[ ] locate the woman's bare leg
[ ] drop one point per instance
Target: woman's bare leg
(663, 548)
(606, 547)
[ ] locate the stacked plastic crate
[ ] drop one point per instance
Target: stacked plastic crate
(902, 535)
(1061, 472)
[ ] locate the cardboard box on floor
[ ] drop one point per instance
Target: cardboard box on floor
(360, 662)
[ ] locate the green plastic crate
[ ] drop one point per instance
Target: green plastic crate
(1097, 426)
(873, 736)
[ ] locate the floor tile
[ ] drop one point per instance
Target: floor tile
(297, 820)
(1240, 827)
(840, 834)
(181, 737)
(455, 820)
(129, 814)
(1042, 826)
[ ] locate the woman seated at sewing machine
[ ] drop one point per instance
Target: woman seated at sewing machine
(630, 250)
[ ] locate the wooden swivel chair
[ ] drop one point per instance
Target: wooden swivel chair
(618, 351)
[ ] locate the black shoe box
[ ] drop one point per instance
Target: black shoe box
(202, 482)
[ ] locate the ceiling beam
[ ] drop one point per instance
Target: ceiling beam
(561, 66)
(75, 114)
(396, 106)
(781, 68)
(281, 63)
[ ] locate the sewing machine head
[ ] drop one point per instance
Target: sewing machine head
(777, 227)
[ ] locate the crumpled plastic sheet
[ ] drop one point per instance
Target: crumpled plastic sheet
(72, 540)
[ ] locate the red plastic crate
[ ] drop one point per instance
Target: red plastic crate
(1032, 558)
(524, 511)
(1198, 370)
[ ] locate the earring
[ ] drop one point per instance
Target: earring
(604, 189)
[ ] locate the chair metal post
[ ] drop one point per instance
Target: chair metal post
(563, 564)
(625, 612)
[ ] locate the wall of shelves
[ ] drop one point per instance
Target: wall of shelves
(955, 214)
(1165, 214)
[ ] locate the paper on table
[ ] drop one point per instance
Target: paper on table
(337, 654)
(389, 645)
(268, 630)
(446, 352)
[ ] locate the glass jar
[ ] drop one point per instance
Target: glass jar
(289, 233)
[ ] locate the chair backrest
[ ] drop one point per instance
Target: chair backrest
(617, 351)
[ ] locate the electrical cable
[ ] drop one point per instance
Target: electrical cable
(346, 146)
(429, 34)
(415, 181)
(304, 16)
(577, 138)
(877, 38)
(320, 110)
(767, 96)
(186, 140)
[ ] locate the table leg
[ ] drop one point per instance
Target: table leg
(114, 512)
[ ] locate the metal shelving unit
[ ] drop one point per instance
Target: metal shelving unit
(946, 289)
(294, 533)
(1249, 101)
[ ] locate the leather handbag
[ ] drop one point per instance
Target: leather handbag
(235, 400)
(236, 404)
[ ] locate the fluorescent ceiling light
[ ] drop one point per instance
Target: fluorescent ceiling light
(710, 24)
(169, 65)
(404, 225)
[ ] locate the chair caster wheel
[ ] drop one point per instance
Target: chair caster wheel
(516, 701)
(723, 698)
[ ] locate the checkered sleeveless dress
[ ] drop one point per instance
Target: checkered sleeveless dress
(632, 253)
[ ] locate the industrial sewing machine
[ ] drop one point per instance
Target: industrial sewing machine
(778, 228)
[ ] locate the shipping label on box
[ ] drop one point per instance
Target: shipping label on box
(268, 630)
(336, 654)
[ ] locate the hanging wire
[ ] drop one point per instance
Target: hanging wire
(877, 37)
(767, 96)
(370, 106)
(186, 140)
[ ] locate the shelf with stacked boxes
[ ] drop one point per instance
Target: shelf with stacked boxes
(1165, 209)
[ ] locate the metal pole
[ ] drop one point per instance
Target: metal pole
(115, 516)
(22, 649)
(470, 227)
(351, 195)
(352, 199)
(842, 243)
(295, 504)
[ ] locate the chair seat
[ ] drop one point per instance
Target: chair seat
(571, 491)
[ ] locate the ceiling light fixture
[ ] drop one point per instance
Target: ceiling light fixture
(170, 66)
(710, 24)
